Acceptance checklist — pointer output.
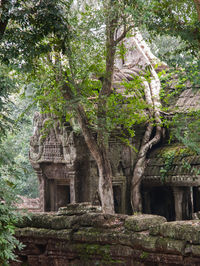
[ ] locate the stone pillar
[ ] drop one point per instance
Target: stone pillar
(192, 199)
(178, 199)
(188, 203)
(73, 191)
(41, 191)
(41, 180)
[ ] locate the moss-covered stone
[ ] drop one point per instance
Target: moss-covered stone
(100, 220)
(182, 230)
(193, 249)
(170, 245)
(93, 235)
(78, 209)
(137, 238)
(142, 222)
(48, 221)
(155, 230)
(43, 233)
(143, 241)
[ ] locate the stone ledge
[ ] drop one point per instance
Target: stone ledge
(145, 239)
(142, 222)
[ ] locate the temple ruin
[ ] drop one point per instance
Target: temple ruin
(67, 172)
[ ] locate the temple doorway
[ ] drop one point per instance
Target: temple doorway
(160, 201)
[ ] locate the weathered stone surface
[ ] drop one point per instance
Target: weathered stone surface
(142, 222)
(31, 232)
(143, 241)
(78, 209)
(193, 249)
(94, 235)
(92, 238)
(48, 221)
(170, 245)
(182, 230)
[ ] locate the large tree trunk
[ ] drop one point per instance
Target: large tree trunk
(105, 184)
(152, 90)
(138, 60)
(101, 157)
(99, 146)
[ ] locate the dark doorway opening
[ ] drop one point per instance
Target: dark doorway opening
(196, 198)
(57, 195)
(50, 195)
(159, 201)
(117, 194)
(63, 195)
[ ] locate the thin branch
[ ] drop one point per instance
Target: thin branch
(123, 35)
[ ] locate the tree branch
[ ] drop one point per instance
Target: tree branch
(123, 35)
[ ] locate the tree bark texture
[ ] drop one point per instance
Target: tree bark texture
(152, 91)
(197, 5)
(151, 86)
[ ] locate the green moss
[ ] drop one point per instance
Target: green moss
(101, 253)
(144, 255)
(142, 222)
(177, 151)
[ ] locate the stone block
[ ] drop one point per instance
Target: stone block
(78, 209)
(168, 245)
(193, 249)
(143, 241)
(142, 222)
(182, 230)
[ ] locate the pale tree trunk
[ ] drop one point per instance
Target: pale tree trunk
(101, 157)
(152, 90)
(98, 152)
(99, 146)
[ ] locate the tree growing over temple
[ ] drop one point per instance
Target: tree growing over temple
(69, 51)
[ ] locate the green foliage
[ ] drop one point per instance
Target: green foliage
(175, 18)
(168, 159)
(7, 86)
(9, 167)
(8, 217)
(186, 128)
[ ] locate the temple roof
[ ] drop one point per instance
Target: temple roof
(188, 100)
(172, 165)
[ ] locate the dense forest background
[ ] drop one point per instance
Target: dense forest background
(171, 31)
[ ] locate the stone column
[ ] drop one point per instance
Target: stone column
(41, 191)
(72, 187)
(41, 180)
(192, 199)
(178, 199)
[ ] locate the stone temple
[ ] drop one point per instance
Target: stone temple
(67, 172)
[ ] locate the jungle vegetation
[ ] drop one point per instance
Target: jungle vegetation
(50, 52)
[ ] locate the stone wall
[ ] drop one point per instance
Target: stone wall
(81, 235)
